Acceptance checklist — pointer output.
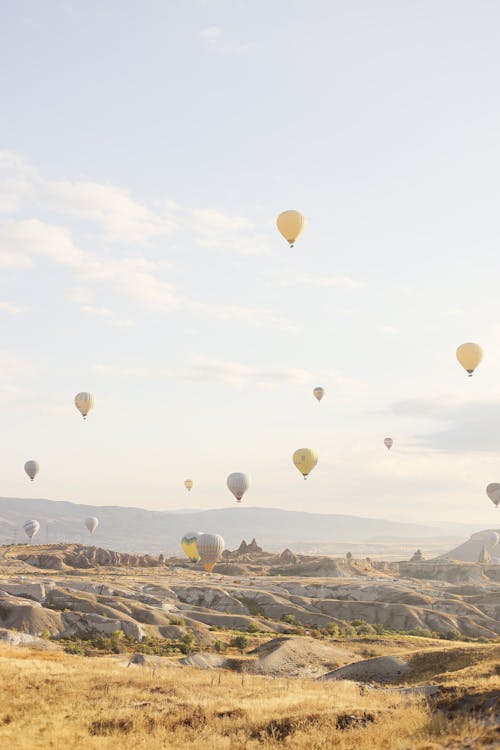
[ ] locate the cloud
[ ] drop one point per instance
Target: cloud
(237, 374)
(211, 34)
(80, 295)
(9, 308)
(18, 181)
(207, 370)
(254, 315)
(389, 330)
(133, 277)
(124, 219)
(468, 426)
(108, 316)
(344, 282)
(123, 371)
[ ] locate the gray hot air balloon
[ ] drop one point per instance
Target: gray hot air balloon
(238, 483)
(31, 468)
(91, 523)
(493, 492)
(31, 528)
(210, 548)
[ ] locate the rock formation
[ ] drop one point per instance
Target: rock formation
(287, 556)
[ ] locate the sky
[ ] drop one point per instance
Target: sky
(145, 152)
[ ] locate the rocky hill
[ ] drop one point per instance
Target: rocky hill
(144, 597)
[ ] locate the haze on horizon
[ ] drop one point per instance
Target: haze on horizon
(146, 150)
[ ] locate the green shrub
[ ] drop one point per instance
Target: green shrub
(240, 642)
(421, 633)
(74, 648)
(253, 627)
(451, 635)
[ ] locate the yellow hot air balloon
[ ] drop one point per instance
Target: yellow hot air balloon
(318, 392)
(305, 460)
(188, 484)
(291, 224)
(188, 544)
(469, 355)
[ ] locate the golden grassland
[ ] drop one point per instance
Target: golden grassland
(54, 701)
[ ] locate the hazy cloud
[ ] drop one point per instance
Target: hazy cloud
(237, 374)
(17, 181)
(211, 34)
(471, 426)
(10, 308)
(124, 219)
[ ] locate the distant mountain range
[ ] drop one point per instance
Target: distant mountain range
(139, 530)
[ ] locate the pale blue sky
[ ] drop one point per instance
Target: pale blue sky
(146, 151)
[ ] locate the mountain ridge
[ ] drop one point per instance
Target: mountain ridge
(138, 529)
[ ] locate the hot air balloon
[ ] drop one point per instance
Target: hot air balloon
(493, 492)
(290, 224)
(490, 539)
(31, 468)
(238, 484)
(84, 402)
(469, 355)
(318, 392)
(188, 544)
(188, 484)
(91, 523)
(210, 548)
(388, 442)
(305, 460)
(31, 528)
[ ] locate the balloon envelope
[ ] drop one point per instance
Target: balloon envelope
(91, 523)
(31, 468)
(188, 484)
(493, 492)
(469, 355)
(188, 544)
(305, 459)
(31, 528)
(210, 548)
(388, 442)
(291, 224)
(84, 402)
(238, 483)
(490, 539)
(319, 392)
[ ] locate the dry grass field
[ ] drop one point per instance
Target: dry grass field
(52, 700)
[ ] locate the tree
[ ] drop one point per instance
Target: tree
(240, 642)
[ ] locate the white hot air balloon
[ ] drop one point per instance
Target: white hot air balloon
(210, 548)
(84, 402)
(31, 468)
(493, 492)
(318, 392)
(238, 483)
(490, 539)
(388, 442)
(91, 523)
(31, 528)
